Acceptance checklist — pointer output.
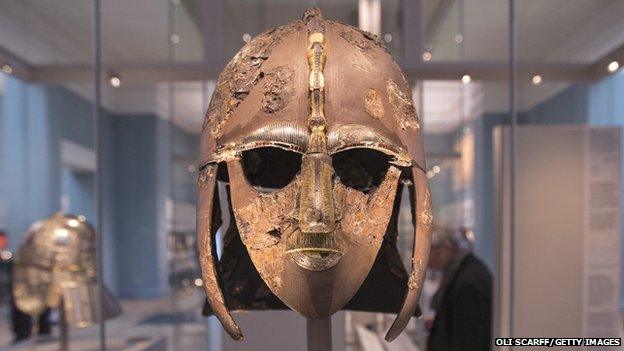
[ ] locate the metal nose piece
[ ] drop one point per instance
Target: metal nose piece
(316, 245)
(316, 201)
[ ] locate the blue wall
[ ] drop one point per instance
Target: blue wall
(186, 151)
(30, 173)
(568, 107)
(137, 179)
(483, 185)
(597, 103)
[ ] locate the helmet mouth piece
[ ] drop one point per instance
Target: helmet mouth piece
(312, 250)
(315, 260)
(315, 251)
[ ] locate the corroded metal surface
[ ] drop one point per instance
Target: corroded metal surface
(276, 89)
(394, 263)
(373, 104)
(420, 253)
(56, 262)
(268, 221)
(363, 40)
(328, 92)
(244, 289)
(401, 103)
(350, 72)
(207, 258)
(241, 75)
(425, 217)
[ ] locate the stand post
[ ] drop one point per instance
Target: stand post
(319, 334)
(64, 346)
(34, 331)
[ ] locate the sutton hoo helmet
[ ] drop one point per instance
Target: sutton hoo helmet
(55, 266)
(314, 127)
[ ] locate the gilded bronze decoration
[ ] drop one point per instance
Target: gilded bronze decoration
(373, 104)
(365, 41)
(404, 110)
(313, 179)
(56, 263)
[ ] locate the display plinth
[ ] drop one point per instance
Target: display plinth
(319, 334)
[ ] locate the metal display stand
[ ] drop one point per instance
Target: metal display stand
(319, 334)
(64, 328)
(34, 332)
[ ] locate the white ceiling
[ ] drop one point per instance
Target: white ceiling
(60, 31)
(579, 31)
(41, 33)
(136, 32)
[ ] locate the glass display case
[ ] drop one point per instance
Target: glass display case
(521, 111)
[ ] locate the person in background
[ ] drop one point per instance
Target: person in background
(463, 302)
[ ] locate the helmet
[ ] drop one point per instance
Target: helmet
(313, 126)
(55, 266)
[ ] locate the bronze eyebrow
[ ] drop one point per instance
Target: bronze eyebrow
(348, 137)
(285, 136)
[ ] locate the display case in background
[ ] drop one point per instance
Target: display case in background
(568, 207)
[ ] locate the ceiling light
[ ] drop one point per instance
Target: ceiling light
(175, 38)
(426, 56)
(436, 169)
(459, 38)
(115, 81)
(199, 282)
(6, 68)
(537, 79)
(246, 37)
(613, 66)
(191, 168)
(387, 37)
(466, 79)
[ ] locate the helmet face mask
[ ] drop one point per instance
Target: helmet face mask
(315, 126)
(292, 236)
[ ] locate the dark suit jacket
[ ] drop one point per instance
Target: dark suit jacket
(463, 319)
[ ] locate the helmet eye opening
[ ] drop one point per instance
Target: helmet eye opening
(270, 168)
(361, 169)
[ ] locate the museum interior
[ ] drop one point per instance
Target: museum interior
(520, 106)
